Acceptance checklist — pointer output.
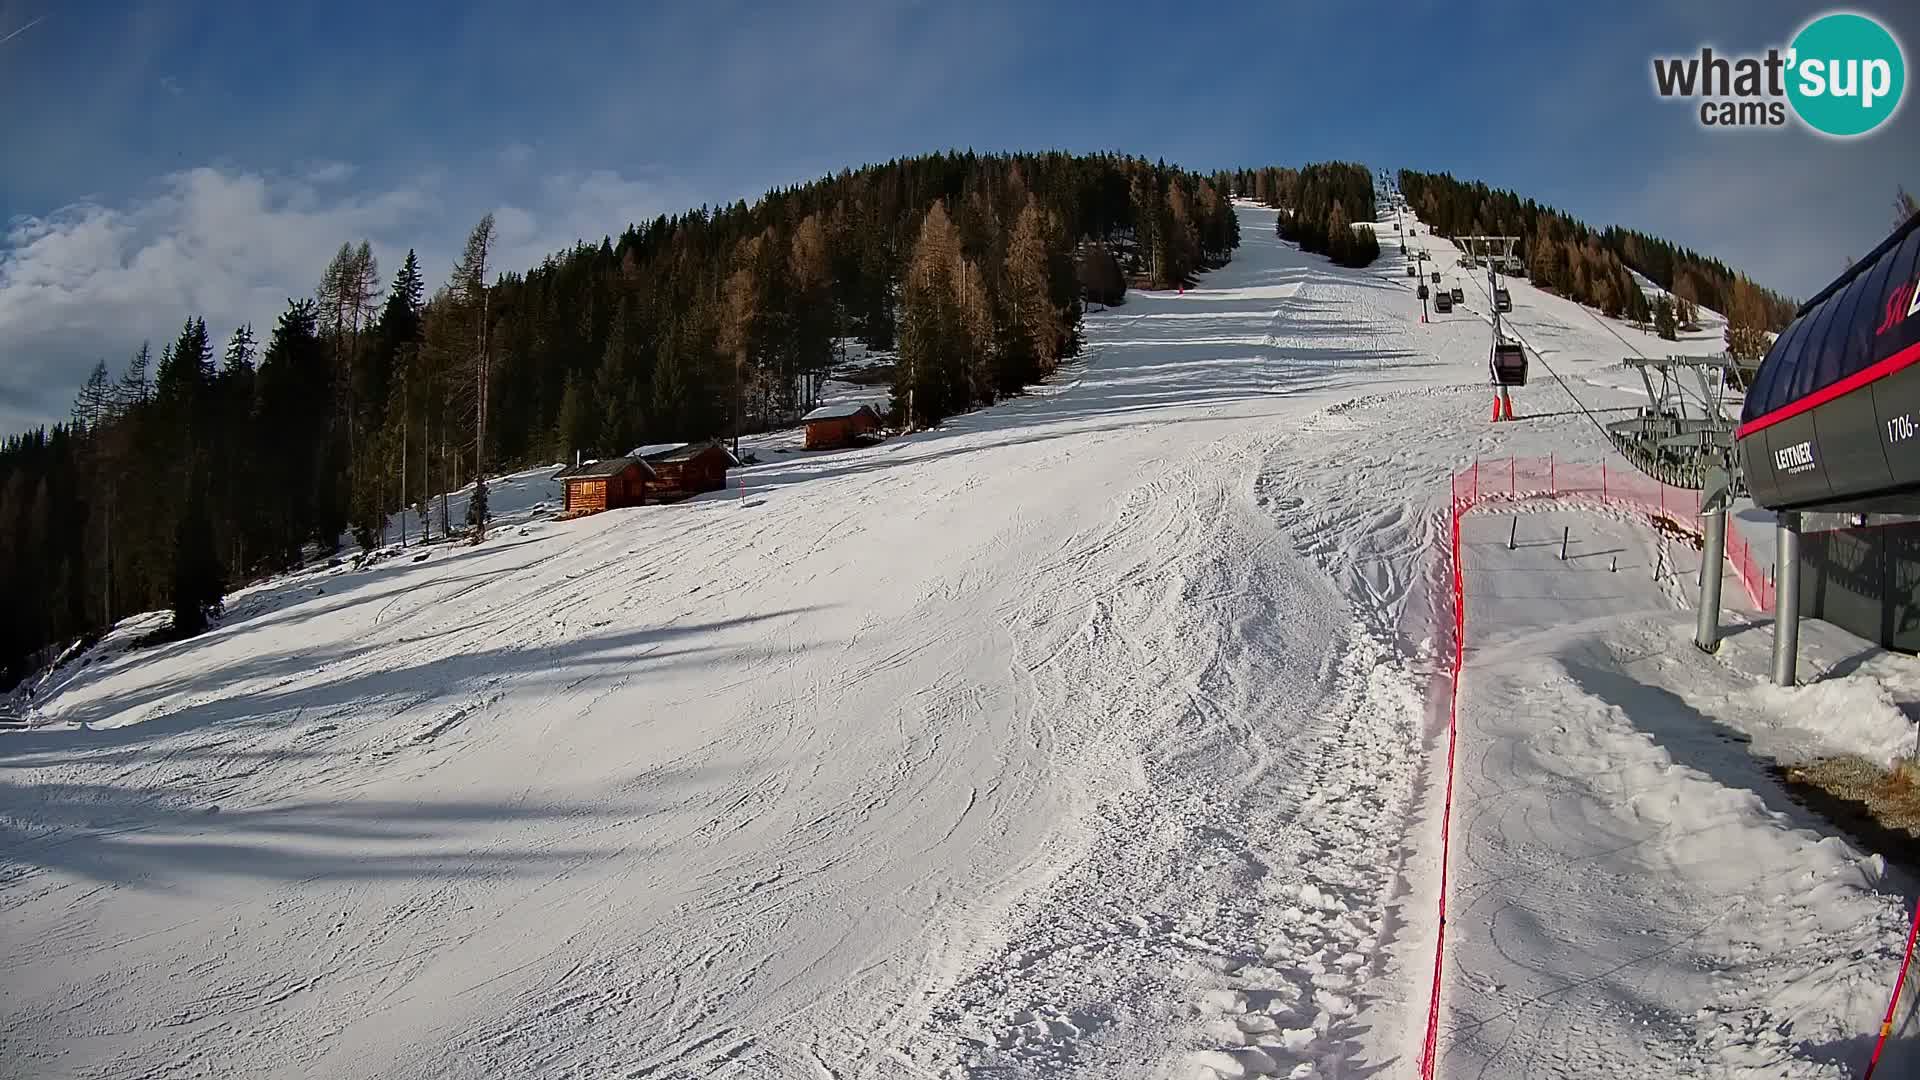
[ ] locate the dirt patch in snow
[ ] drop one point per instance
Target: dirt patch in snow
(1878, 806)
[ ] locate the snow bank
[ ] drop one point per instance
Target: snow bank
(1850, 714)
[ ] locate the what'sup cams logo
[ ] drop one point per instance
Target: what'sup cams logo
(1843, 75)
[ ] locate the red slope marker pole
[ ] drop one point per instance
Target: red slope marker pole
(1886, 1024)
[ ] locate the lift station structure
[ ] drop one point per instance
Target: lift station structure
(1831, 424)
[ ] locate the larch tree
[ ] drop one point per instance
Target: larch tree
(932, 331)
(1037, 323)
(740, 324)
(1747, 319)
(815, 319)
(94, 404)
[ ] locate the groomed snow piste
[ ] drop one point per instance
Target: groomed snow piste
(1091, 735)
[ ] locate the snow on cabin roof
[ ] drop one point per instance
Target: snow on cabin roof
(600, 468)
(680, 451)
(837, 412)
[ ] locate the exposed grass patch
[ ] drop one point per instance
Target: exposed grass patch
(1878, 806)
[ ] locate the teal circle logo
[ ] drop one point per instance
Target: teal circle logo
(1846, 74)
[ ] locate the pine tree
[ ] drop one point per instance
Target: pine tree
(612, 392)
(1147, 209)
(1639, 311)
(1339, 244)
(477, 514)
(197, 584)
(241, 349)
(398, 382)
(1100, 277)
(1183, 236)
(1664, 323)
(469, 284)
(574, 429)
(295, 403)
(672, 390)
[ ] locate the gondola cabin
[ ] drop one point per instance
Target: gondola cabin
(1442, 301)
(1459, 295)
(1413, 271)
(1422, 293)
(1830, 428)
(1509, 364)
(1502, 299)
(1436, 277)
(609, 484)
(1832, 420)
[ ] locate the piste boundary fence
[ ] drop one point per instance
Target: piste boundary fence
(1518, 479)
(1515, 480)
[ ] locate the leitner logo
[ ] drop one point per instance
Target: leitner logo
(1844, 75)
(1902, 305)
(1793, 459)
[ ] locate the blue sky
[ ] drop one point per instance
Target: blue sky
(177, 158)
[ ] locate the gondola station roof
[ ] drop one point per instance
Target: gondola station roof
(1832, 420)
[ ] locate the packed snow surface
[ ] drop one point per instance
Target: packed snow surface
(1090, 735)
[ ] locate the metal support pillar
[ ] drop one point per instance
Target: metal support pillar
(1786, 598)
(1706, 631)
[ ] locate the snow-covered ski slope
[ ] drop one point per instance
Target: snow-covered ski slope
(1633, 894)
(1087, 736)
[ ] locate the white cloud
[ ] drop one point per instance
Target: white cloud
(90, 281)
(331, 172)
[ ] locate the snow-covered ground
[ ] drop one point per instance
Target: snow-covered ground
(1634, 894)
(1090, 735)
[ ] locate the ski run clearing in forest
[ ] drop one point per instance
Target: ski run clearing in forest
(1090, 735)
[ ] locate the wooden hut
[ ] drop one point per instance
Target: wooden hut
(684, 469)
(830, 427)
(605, 485)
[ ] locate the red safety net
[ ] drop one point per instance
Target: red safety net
(1619, 485)
(1519, 479)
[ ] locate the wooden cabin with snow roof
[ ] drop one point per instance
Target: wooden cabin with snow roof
(831, 427)
(607, 484)
(681, 470)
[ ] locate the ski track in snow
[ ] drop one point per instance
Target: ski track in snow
(1086, 736)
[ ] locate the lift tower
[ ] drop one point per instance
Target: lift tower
(1684, 438)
